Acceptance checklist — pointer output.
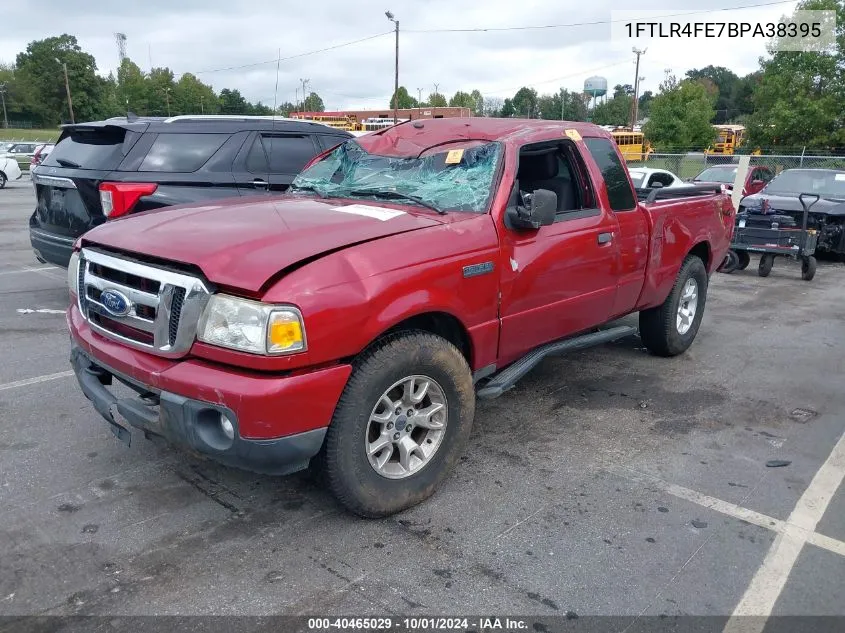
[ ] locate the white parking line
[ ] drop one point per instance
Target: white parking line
(28, 270)
(770, 579)
(36, 380)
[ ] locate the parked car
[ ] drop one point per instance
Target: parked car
(22, 152)
(9, 170)
(352, 319)
(826, 216)
(726, 175)
(40, 154)
(103, 170)
(648, 178)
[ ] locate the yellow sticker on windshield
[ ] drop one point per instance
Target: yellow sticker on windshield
(573, 134)
(454, 156)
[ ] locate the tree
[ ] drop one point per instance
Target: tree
(621, 90)
(477, 102)
(132, 88)
(436, 100)
(525, 103)
(726, 83)
(285, 109)
(615, 111)
(798, 100)
(232, 102)
(493, 106)
(462, 100)
(681, 116)
(405, 99)
(191, 96)
(159, 86)
(507, 110)
(644, 103)
(40, 68)
(313, 103)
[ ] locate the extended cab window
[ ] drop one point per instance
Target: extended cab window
(458, 176)
(181, 153)
(619, 191)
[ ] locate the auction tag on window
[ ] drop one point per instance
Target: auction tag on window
(454, 156)
(573, 134)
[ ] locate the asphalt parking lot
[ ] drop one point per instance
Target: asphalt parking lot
(608, 482)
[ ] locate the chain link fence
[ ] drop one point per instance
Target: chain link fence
(690, 164)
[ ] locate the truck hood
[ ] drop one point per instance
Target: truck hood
(830, 206)
(242, 244)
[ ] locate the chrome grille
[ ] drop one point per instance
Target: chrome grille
(164, 307)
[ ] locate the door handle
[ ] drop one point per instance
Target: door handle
(260, 184)
(605, 238)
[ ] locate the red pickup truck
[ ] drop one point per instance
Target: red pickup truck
(352, 321)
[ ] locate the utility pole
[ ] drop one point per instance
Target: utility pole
(3, 98)
(562, 103)
(67, 90)
(638, 53)
(167, 98)
(202, 106)
(434, 107)
(396, 70)
(305, 82)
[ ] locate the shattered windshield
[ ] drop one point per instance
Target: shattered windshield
(828, 184)
(455, 177)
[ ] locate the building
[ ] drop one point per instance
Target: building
(377, 119)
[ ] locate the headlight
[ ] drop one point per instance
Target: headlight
(73, 274)
(251, 326)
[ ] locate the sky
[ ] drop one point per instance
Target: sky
(211, 37)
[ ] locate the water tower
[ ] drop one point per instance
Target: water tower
(595, 87)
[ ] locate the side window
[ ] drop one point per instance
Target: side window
(289, 154)
(256, 160)
(619, 190)
(765, 174)
(181, 153)
(558, 168)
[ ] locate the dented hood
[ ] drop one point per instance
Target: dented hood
(242, 244)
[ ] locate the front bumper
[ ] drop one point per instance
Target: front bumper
(278, 421)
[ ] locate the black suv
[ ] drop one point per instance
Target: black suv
(110, 168)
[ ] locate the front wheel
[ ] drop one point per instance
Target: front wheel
(2, 180)
(400, 425)
(808, 268)
(670, 328)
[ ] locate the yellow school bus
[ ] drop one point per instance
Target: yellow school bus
(730, 139)
(632, 145)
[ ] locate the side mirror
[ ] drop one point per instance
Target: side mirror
(657, 185)
(539, 210)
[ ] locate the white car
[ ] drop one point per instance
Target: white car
(9, 170)
(646, 178)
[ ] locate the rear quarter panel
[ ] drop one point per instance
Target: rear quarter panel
(678, 226)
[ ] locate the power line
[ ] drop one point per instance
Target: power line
(595, 22)
(304, 54)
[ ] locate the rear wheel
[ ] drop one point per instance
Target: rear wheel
(401, 424)
(744, 260)
(730, 263)
(670, 328)
(767, 260)
(808, 268)
(2, 180)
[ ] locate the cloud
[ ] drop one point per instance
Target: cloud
(209, 35)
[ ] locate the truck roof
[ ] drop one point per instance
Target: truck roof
(406, 138)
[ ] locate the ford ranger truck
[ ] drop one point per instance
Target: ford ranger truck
(351, 323)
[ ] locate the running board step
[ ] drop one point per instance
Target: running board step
(507, 378)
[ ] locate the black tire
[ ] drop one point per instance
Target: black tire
(658, 327)
(808, 268)
(352, 479)
(767, 260)
(744, 260)
(730, 264)
(2, 180)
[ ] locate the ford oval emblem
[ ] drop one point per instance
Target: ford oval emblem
(115, 302)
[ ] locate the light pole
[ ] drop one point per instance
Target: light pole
(67, 90)
(636, 52)
(167, 98)
(396, 70)
(3, 97)
(419, 102)
(436, 94)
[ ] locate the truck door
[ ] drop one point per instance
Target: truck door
(632, 238)
(560, 279)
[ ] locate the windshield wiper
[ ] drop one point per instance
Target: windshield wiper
(388, 194)
(322, 194)
(64, 162)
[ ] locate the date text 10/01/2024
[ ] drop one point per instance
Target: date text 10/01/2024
(418, 624)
